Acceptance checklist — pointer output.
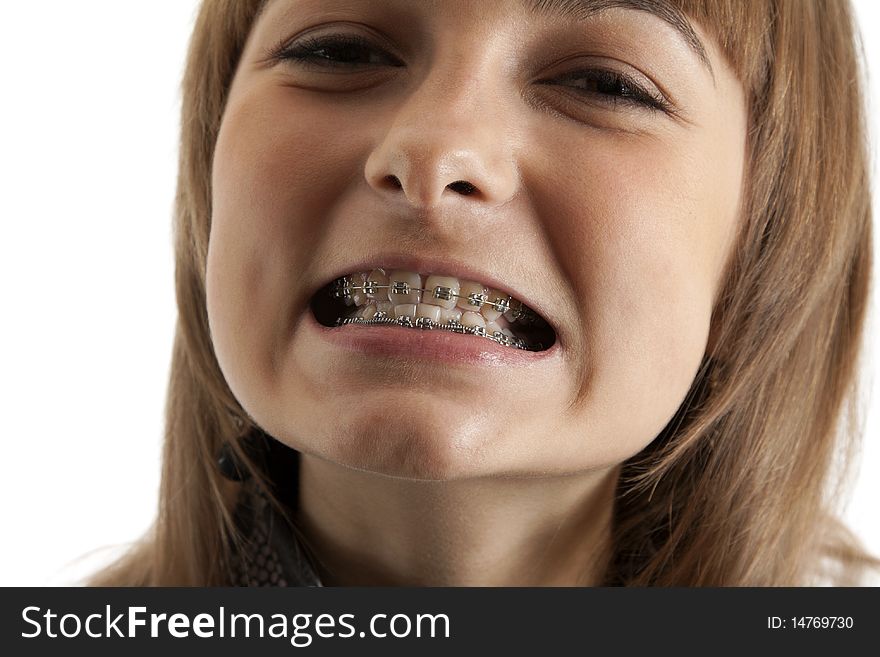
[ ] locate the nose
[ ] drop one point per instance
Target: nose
(445, 140)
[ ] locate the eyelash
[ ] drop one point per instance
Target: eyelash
(305, 51)
(628, 92)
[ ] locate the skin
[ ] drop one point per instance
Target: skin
(619, 216)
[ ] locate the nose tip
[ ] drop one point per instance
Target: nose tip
(429, 162)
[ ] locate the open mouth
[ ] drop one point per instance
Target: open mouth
(431, 302)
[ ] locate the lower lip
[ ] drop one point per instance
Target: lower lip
(430, 345)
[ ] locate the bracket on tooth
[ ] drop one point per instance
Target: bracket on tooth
(455, 326)
(444, 293)
(501, 304)
(342, 288)
(501, 338)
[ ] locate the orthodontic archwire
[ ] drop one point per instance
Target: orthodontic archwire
(344, 287)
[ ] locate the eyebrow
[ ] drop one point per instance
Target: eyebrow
(585, 9)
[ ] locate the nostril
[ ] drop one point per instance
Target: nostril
(462, 187)
(394, 182)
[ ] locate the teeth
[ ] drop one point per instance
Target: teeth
(473, 319)
(472, 296)
(429, 311)
(441, 291)
(515, 311)
(447, 315)
(433, 301)
(492, 312)
(357, 295)
(379, 279)
(405, 287)
(405, 310)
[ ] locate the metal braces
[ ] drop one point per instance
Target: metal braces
(426, 323)
(343, 288)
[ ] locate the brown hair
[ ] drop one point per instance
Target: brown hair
(741, 487)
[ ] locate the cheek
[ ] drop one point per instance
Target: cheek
(270, 182)
(267, 205)
(645, 241)
(648, 332)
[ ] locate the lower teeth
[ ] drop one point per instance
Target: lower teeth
(425, 323)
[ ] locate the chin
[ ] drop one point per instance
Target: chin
(421, 446)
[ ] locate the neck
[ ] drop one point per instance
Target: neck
(368, 529)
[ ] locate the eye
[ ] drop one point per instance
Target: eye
(610, 87)
(334, 51)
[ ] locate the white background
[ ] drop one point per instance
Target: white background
(89, 103)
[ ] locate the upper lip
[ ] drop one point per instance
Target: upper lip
(448, 267)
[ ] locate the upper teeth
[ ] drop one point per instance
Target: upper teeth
(449, 293)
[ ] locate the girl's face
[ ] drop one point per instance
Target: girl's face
(590, 165)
